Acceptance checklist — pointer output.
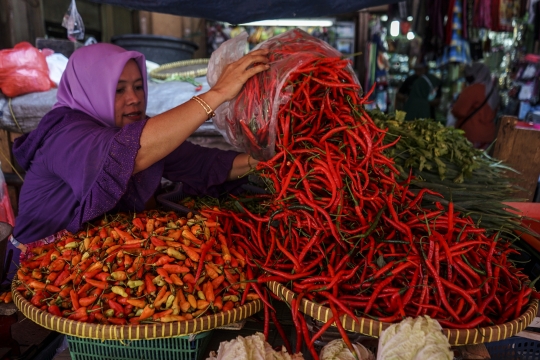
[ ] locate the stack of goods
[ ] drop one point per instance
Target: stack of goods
(341, 230)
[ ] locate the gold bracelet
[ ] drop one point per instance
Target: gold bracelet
(205, 106)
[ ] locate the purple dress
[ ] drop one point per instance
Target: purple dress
(79, 165)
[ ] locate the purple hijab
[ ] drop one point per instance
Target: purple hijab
(90, 79)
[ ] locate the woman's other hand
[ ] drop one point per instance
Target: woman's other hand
(236, 74)
(242, 165)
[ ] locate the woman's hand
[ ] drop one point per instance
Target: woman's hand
(242, 165)
(236, 74)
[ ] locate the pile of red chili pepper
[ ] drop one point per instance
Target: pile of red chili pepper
(148, 267)
(340, 230)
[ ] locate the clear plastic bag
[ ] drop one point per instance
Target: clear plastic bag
(73, 22)
(23, 70)
(229, 52)
(248, 122)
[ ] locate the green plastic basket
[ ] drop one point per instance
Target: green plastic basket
(191, 347)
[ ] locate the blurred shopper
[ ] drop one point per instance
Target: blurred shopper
(405, 88)
(423, 92)
(476, 107)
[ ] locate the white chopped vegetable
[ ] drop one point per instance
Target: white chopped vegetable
(337, 350)
(252, 347)
(414, 339)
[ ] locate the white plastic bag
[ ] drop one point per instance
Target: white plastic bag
(228, 52)
(73, 23)
(57, 65)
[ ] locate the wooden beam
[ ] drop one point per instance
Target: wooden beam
(374, 9)
(167, 25)
(145, 22)
(20, 21)
(5, 151)
(107, 22)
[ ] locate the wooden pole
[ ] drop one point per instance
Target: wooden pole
(519, 148)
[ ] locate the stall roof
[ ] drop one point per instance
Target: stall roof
(243, 11)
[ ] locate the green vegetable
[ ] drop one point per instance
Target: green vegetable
(443, 160)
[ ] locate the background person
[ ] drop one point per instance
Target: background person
(423, 93)
(476, 107)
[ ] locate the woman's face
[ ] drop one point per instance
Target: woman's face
(129, 103)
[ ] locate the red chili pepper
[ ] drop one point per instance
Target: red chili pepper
(74, 299)
(118, 309)
(150, 287)
(204, 250)
(99, 284)
(55, 310)
(80, 314)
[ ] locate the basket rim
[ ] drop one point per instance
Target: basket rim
(189, 73)
(132, 332)
(374, 328)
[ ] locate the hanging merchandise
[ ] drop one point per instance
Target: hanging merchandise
(503, 14)
(457, 49)
(482, 14)
(537, 20)
(73, 23)
(402, 9)
(433, 44)
(451, 21)
(529, 88)
(468, 18)
(533, 21)
(377, 68)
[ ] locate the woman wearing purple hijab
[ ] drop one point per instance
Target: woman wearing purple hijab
(96, 151)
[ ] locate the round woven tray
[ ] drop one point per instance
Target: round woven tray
(186, 68)
(132, 332)
(374, 328)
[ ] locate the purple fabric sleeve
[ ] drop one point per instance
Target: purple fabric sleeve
(103, 192)
(81, 171)
(203, 171)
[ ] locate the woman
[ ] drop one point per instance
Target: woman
(96, 151)
(423, 93)
(475, 109)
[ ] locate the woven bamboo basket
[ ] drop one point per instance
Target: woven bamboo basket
(132, 332)
(374, 328)
(185, 68)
